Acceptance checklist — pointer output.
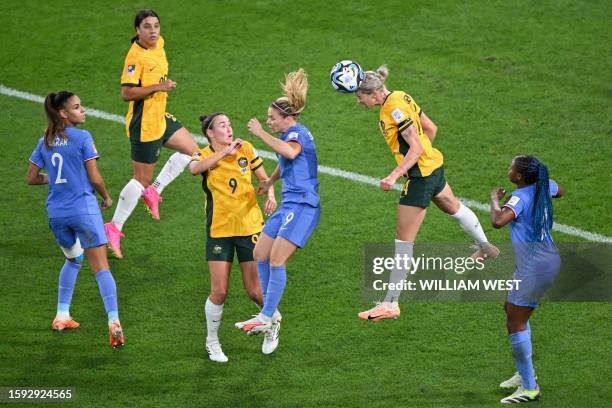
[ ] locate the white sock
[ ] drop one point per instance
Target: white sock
(470, 224)
(402, 249)
(128, 198)
(213, 320)
(173, 167)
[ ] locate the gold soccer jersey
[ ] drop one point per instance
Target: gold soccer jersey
(231, 202)
(397, 113)
(145, 120)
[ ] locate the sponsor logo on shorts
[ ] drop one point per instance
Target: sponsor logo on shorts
(217, 249)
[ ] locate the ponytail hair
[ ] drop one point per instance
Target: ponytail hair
(533, 171)
(374, 80)
(207, 123)
(54, 102)
(142, 14)
(294, 99)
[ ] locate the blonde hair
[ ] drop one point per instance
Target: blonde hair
(294, 88)
(374, 80)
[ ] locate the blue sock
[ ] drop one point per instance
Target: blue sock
(67, 279)
(263, 267)
(275, 289)
(108, 291)
(521, 350)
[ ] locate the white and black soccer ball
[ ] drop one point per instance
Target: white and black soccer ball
(346, 76)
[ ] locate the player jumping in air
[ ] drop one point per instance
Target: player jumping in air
(291, 226)
(409, 132)
(145, 85)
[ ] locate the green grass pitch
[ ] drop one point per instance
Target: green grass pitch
(498, 78)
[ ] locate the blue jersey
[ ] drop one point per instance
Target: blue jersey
(299, 176)
(70, 192)
(521, 204)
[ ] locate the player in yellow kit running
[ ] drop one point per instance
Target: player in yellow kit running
(233, 220)
(410, 134)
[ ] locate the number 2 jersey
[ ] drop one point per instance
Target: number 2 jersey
(70, 192)
(397, 113)
(231, 202)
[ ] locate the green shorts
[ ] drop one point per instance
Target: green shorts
(419, 191)
(222, 249)
(148, 152)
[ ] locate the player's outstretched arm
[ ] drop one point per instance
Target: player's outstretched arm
(34, 176)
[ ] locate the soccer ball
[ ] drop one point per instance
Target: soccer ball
(346, 76)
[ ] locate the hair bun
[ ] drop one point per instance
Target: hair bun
(203, 118)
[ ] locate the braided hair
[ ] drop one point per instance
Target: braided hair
(533, 171)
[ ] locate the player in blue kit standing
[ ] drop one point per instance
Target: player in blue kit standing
(529, 214)
(291, 226)
(69, 155)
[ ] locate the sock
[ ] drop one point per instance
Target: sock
(521, 350)
(263, 267)
(171, 170)
(470, 224)
(213, 320)
(108, 291)
(275, 289)
(67, 279)
(402, 248)
(128, 198)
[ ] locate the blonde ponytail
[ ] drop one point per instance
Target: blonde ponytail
(295, 89)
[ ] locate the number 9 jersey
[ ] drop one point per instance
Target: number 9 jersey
(231, 202)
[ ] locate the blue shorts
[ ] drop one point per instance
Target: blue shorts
(294, 222)
(88, 228)
(536, 275)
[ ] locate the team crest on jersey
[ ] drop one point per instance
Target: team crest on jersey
(382, 127)
(243, 163)
(217, 249)
(131, 69)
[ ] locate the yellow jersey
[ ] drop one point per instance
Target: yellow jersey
(398, 112)
(231, 202)
(145, 120)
